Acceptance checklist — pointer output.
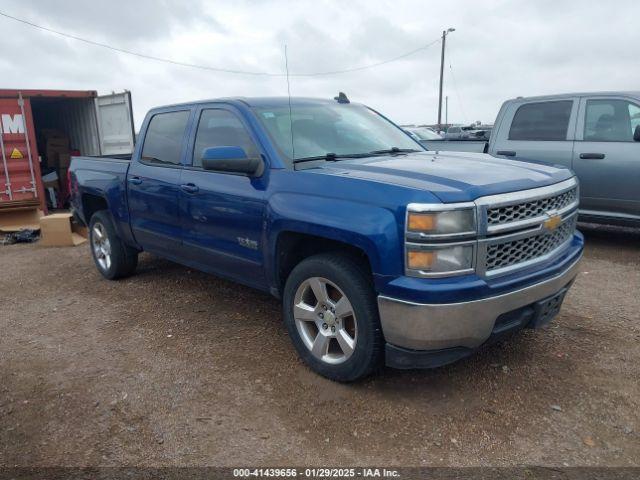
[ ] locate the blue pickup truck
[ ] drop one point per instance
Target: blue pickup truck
(380, 251)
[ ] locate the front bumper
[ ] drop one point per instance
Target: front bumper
(464, 326)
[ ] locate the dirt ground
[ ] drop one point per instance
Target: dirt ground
(175, 367)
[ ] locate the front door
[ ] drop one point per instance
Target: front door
(605, 157)
(223, 214)
(153, 183)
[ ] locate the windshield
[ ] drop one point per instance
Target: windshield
(340, 129)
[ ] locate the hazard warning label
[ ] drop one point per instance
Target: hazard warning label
(16, 153)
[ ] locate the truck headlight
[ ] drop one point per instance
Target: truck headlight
(450, 222)
(439, 260)
(440, 239)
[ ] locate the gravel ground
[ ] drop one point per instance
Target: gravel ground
(175, 367)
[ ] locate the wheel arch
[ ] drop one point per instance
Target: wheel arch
(92, 203)
(292, 247)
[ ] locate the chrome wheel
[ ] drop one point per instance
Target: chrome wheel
(101, 246)
(325, 320)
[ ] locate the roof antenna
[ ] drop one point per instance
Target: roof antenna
(286, 66)
(341, 98)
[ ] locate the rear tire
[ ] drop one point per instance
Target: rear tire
(331, 313)
(112, 257)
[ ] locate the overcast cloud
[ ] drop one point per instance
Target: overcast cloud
(500, 49)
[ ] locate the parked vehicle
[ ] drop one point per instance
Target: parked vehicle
(470, 132)
(379, 250)
(460, 145)
(422, 134)
(453, 133)
(595, 134)
(479, 132)
(461, 139)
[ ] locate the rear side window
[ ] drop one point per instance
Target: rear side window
(164, 138)
(545, 121)
(610, 120)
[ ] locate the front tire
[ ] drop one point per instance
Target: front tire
(112, 257)
(331, 314)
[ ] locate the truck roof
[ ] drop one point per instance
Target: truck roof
(258, 101)
(578, 94)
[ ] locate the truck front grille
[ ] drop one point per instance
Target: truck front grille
(531, 209)
(515, 230)
(509, 253)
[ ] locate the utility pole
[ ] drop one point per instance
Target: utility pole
(446, 110)
(444, 40)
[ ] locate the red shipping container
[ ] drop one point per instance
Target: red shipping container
(20, 174)
(93, 125)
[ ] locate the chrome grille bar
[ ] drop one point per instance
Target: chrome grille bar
(533, 209)
(519, 210)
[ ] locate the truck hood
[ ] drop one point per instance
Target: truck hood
(451, 176)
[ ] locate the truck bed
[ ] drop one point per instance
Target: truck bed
(122, 156)
(112, 163)
(102, 177)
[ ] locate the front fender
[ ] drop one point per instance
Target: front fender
(371, 228)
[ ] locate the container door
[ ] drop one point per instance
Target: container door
(115, 123)
(19, 172)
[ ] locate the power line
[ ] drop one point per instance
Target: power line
(129, 52)
(217, 69)
(455, 88)
(372, 65)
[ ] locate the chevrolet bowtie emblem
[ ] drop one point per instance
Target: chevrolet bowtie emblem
(552, 222)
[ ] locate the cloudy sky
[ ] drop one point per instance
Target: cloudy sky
(500, 49)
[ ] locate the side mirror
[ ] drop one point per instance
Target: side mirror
(230, 160)
(636, 133)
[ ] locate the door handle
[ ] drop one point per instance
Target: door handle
(189, 188)
(506, 153)
(134, 180)
(592, 156)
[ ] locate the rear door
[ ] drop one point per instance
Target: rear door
(153, 182)
(606, 158)
(115, 123)
(537, 130)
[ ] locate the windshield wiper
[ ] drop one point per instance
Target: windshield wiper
(334, 157)
(394, 150)
(330, 157)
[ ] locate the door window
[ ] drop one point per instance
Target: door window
(610, 120)
(546, 121)
(164, 138)
(221, 128)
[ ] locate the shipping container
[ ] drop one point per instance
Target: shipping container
(36, 125)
